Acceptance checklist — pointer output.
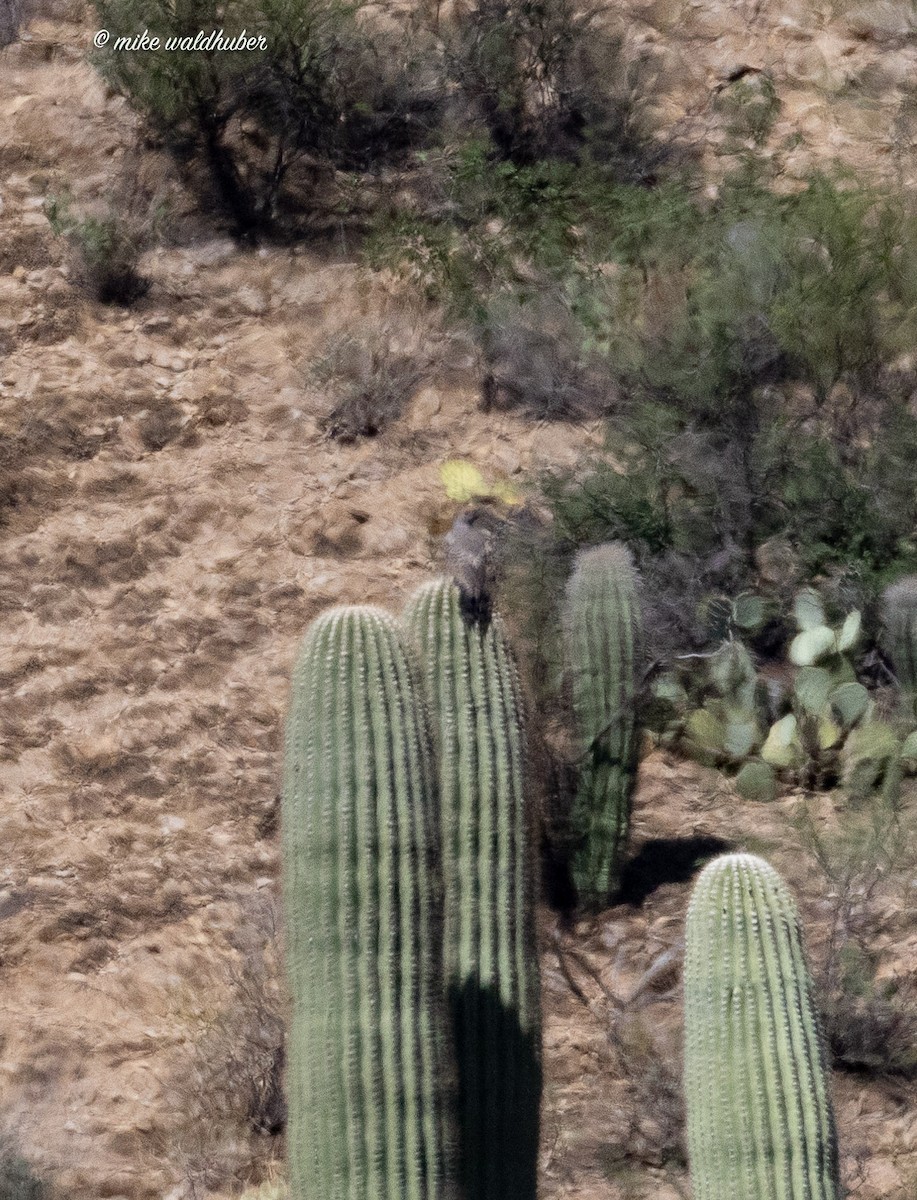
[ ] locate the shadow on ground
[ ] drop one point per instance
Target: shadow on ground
(665, 860)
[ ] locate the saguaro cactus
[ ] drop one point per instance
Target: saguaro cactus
(367, 1089)
(760, 1121)
(601, 633)
(491, 953)
(899, 618)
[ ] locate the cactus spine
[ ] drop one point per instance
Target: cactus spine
(365, 1081)
(760, 1121)
(899, 617)
(601, 633)
(491, 952)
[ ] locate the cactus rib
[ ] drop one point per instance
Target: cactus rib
(368, 1096)
(601, 627)
(760, 1119)
(490, 942)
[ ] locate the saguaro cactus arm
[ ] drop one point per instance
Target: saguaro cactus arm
(366, 1079)
(760, 1119)
(601, 628)
(490, 945)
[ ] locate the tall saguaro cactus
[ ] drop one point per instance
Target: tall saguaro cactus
(366, 1084)
(760, 1120)
(491, 952)
(601, 637)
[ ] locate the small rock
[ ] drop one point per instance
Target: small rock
(155, 324)
(427, 406)
(251, 301)
(169, 360)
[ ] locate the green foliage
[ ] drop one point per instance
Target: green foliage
(760, 1120)
(107, 248)
(757, 781)
(719, 706)
(872, 762)
(744, 346)
(489, 865)
(545, 81)
(367, 1082)
(601, 623)
(729, 726)
(255, 127)
(750, 106)
(783, 746)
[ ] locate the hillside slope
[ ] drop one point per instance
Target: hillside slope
(172, 519)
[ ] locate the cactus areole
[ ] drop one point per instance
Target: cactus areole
(760, 1120)
(367, 1078)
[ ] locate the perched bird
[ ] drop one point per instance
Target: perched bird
(470, 559)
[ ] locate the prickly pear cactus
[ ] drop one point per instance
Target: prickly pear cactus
(760, 1119)
(872, 763)
(491, 950)
(728, 727)
(899, 620)
(601, 635)
(757, 780)
(366, 1085)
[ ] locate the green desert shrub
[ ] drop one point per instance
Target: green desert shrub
(534, 361)
(547, 81)
(252, 128)
(748, 350)
(106, 247)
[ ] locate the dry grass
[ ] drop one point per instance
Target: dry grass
(369, 379)
(226, 1096)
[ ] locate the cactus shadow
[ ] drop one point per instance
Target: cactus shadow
(665, 860)
(557, 884)
(497, 1095)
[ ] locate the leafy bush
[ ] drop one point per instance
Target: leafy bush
(534, 360)
(313, 93)
(845, 511)
(545, 80)
(749, 104)
(752, 345)
(106, 249)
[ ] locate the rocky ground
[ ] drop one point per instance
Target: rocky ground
(173, 517)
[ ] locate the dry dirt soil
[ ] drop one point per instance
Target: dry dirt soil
(173, 518)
